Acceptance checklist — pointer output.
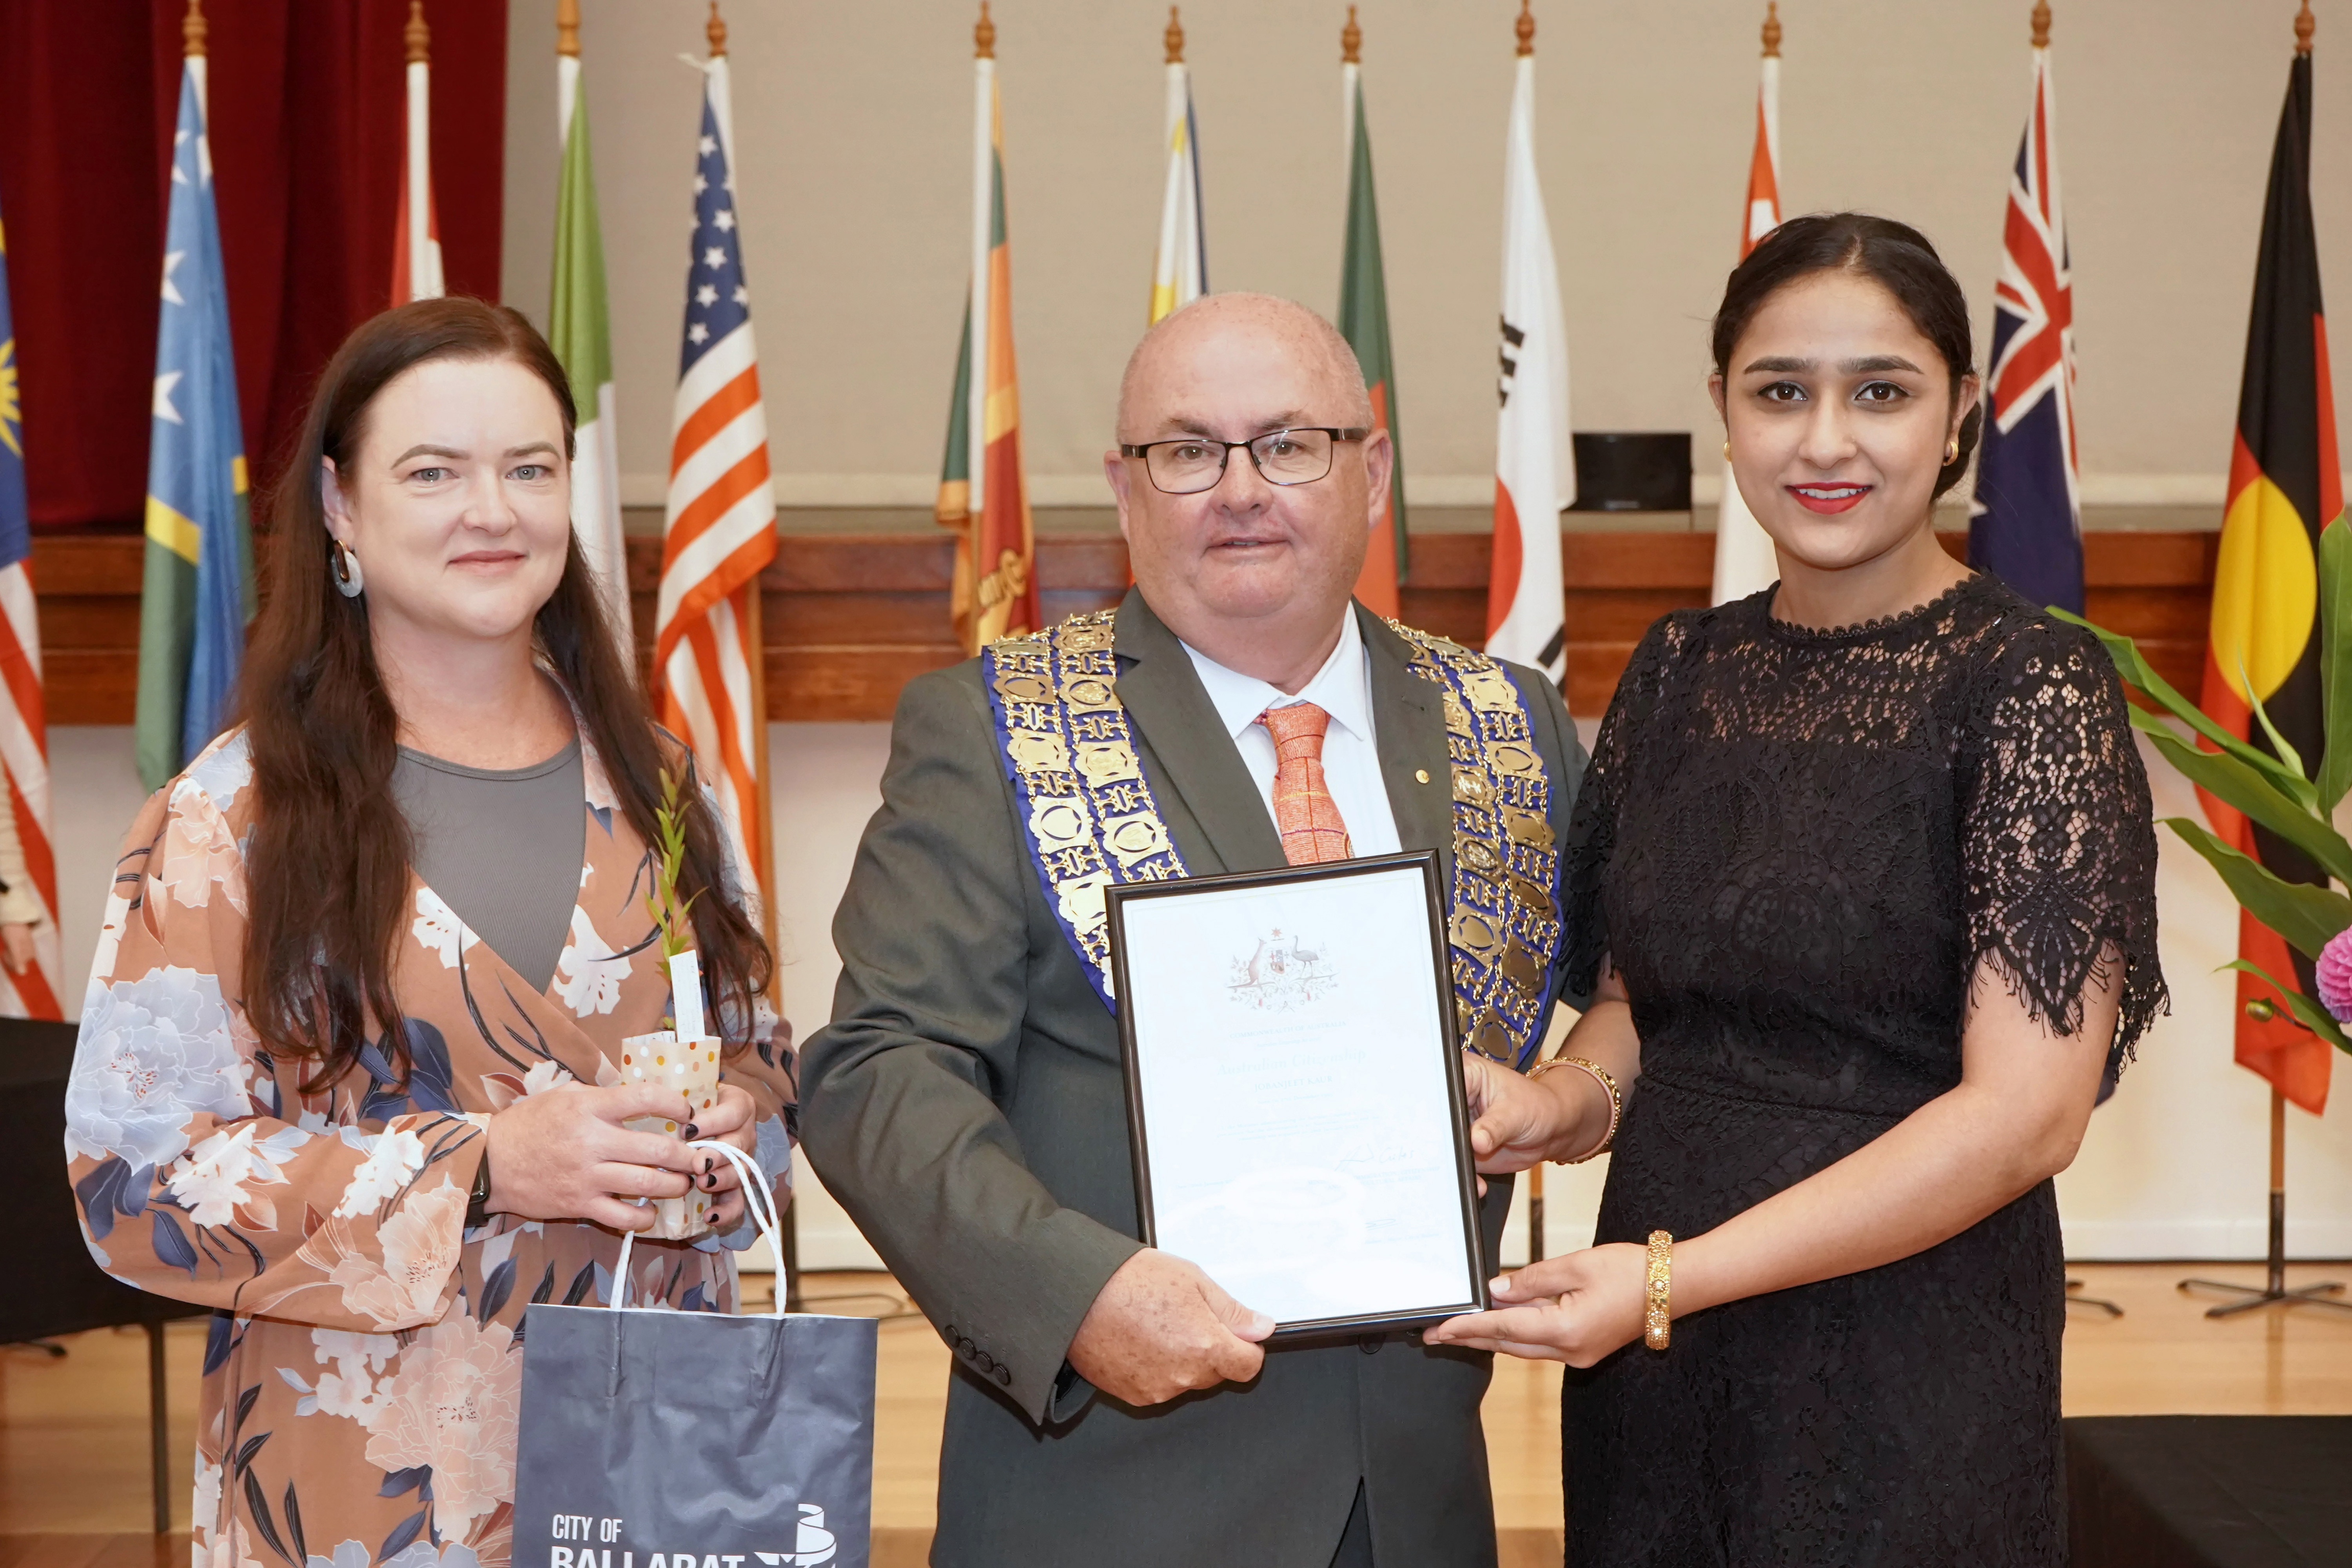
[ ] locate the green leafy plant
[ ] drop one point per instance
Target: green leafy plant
(2271, 788)
(669, 913)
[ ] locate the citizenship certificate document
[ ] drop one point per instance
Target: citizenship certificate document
(1295, 1092)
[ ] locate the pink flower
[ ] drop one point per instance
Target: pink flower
(452, 1404)
(199, 850)
(2334, 976)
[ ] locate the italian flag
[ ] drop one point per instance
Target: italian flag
(1364, 322)
(579, 330)
(983, 494)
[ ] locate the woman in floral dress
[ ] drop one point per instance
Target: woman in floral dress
(371, 1119)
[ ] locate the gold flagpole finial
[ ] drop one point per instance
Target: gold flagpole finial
(193, 28)
(1772, 29)
(2040, 24)
(2303, 25)
(1352, 41)
(1174, 38)
(567, 29)
(983, 36)
(716, 31)
(1526, 29)
(417, 36)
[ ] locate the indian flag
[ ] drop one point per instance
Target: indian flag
(579, 330)
(1364, 322)
(983, 493)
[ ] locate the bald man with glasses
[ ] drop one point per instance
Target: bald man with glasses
(1110, 1403)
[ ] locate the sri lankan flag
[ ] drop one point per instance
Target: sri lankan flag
(2285, 486)
(1364, 322)
(983, 494)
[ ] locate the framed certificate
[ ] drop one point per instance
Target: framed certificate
(1295, 1091)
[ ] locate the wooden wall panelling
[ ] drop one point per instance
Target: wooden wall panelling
(851, 617)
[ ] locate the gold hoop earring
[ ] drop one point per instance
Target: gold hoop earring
(343, 565)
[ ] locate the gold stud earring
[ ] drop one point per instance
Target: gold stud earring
(1726, 449)
(1952, 452)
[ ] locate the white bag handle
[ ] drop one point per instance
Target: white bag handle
(758, 1199)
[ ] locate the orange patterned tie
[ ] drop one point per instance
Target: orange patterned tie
(1304, 811)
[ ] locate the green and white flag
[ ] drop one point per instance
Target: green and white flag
(579, 330)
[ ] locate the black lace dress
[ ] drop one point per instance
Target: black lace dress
(1797, 847)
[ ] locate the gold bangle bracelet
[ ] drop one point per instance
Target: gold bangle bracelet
(1608, 1082)
(1657, 1319)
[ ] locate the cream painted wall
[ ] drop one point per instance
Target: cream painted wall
(854, 125)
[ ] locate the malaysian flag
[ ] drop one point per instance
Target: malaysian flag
(24, 734)
(720, 527)
(2027, 523)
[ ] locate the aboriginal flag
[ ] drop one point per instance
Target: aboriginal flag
(2285, 486)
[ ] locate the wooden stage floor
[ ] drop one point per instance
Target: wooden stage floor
(73, 1432)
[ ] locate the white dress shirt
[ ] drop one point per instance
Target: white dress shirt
(1351, 758)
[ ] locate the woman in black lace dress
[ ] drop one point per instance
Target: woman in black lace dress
(1864, 891)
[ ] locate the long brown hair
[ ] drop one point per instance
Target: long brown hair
(328, 859)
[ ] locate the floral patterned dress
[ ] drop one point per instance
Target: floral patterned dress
(363, 1374)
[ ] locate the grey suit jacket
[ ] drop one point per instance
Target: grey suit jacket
(966, 1106)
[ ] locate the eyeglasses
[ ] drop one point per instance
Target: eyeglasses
(1191, 464)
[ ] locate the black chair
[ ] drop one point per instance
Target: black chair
(69, 1293)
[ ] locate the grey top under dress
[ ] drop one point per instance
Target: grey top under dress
(502, 846)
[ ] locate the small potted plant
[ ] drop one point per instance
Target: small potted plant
(683, 1056)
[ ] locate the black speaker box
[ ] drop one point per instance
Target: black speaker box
(1632, 470)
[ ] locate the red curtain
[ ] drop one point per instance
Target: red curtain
(305, 98)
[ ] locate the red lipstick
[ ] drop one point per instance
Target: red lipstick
(1829, 499)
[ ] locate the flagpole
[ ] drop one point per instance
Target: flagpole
(760, 831)
(1351, 54)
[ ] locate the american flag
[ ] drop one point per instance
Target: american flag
(2027, 527)
(24, 731)
(720, 527)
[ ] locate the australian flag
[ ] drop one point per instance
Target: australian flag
(2028, 524)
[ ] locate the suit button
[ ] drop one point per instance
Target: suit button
(985, 1361)
(1004, 1377)
(1370, 1344)
(968, 1348)
(947, 1332)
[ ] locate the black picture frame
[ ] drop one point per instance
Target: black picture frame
(1116, 898)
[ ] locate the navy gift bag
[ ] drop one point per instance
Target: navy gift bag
(663, 1439)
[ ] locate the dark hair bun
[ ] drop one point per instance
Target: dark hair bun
(1896, 256)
